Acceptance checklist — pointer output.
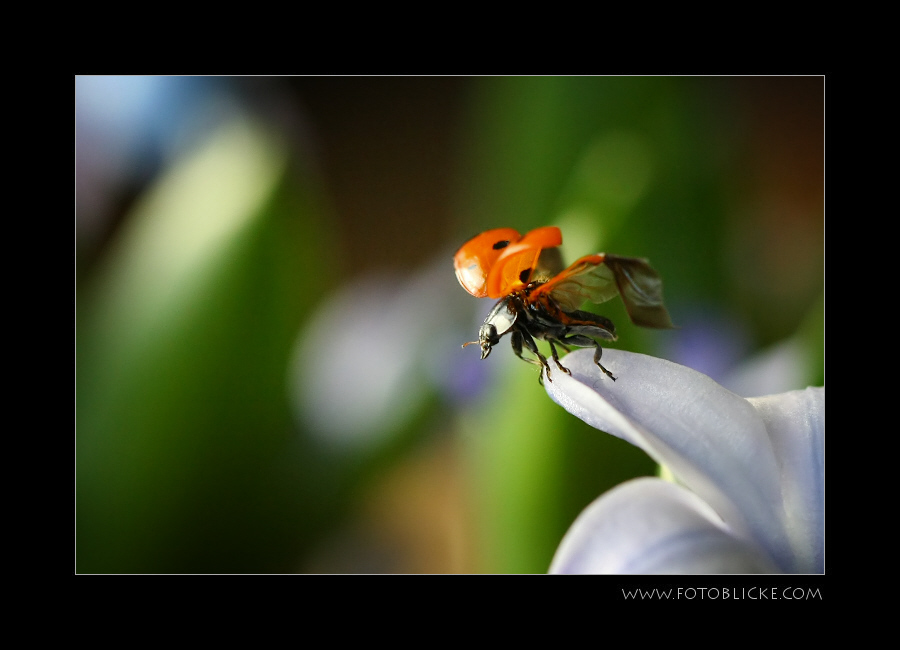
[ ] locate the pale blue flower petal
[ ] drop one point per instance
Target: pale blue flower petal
(796, 424)
(714, 442)
(649, 526)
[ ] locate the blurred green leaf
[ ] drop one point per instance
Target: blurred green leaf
(812, 336)
(535, 468)
(186, 456)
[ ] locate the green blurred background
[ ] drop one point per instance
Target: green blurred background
(268, 370)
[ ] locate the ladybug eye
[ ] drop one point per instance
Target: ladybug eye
(500, 244)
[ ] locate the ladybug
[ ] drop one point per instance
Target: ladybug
(538, 300)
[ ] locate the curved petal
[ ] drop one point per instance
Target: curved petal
(796, 424)
(712, 440)
(651, 526)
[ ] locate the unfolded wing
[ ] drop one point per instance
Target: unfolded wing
(601, 277)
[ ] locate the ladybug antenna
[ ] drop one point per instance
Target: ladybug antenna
(471, 343)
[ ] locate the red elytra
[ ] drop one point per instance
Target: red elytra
(491, 264)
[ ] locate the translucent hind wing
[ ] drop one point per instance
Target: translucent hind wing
(586, 279)
(548, 266)
(641, 289)
(601, 277)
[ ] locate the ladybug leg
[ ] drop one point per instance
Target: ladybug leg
(519, 337)
(586, 342)
(531, 345)
(597, 354)
(556, 356)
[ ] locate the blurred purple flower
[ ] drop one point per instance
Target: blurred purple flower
(749, 496)
(375, 351)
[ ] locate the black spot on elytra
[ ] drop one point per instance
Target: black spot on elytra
(524, 275)
(501, 244)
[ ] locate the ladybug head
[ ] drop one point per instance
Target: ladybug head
(498, 322)
(487, 338)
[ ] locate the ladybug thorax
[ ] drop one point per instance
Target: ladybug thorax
(499, 321)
